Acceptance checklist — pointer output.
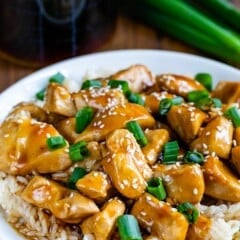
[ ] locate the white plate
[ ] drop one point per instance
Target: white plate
(76, 68)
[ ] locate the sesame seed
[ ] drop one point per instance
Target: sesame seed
(234, 142)
(195, 191)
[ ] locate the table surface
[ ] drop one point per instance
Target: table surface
(127, 35)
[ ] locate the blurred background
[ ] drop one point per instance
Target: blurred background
(36, 33)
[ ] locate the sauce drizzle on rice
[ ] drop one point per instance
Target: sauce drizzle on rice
(80, 187)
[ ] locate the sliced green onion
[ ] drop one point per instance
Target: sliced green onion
(137, 132)
(119, 84)
(217, 103)
(41, 94)
(78, 151)
(205, 79)
(57, 78)
(177, 100)
(234, 114)
(135, 98)
(128, 228)
(83, 118)
(156, 188)
(197, 95)
(170, 152)
(91, 83)
(190, 212)
(77, 173)
(164, 106)
(193, 157)
(56, 142)
(206, 103)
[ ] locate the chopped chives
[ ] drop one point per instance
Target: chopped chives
(234, 114)
(119, 84)
(170, 152)
(137, 132)
(193, 157)
(56, 142)
(196, 95)
(91, 83)
(135, 98)
(190, 212)
(57, 78)
(205, 79)
(207, 102)
(83, 118)
(128, 228)
(78, 151)
(156, 188)
(77, 173)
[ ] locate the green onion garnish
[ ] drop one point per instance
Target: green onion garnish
(78, 151)
(206, 103)
(56, 142)
(164, 106)
(217, 103)
(170, 152)
(77, 173)
(205, 79)
(135, 98)
(193, 157)
(177, 100)
(119, 84)
(197, 95)
(41, 94)
(128, 228)
(91, 83)
(234, 114)
(190, 212)
(83, 118)
(137, 132)
(57, 78)
(156, 188)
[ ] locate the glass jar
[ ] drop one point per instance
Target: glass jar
(39, 32)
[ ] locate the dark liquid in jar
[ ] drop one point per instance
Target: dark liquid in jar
(39, 32)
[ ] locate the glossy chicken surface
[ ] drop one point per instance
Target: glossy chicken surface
(109, 170)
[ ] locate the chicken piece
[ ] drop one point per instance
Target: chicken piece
(59, 100)
(67, 127)
(159, 218)
(183, 183)
(152, 100)
(30, 110)
(156, 140)
(178, 84)
(215, 137)
(24, 147)
(228, 92)
(102, 224)
(104, 122)
(94, 185)
(235, 158)
(65, 204)
(151, 237)
(126, 165)
(236, 136)
(220, 182)
(99, 98)
(139, 77)
(186, 120)
(200, 229)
